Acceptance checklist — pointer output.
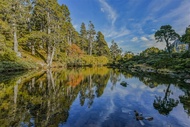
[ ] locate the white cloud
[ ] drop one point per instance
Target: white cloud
(144, 39)
(113, 33)
(75, 26)
(155, 6)
(102, 10)
(112, 15)
(151, 42)
(134, 39)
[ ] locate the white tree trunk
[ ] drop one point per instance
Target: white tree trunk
(33, 50)
(52, 55)
(15, 40)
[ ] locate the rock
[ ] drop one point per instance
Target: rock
(124, 84)
(149, 118)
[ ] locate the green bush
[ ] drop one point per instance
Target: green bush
(8, 55)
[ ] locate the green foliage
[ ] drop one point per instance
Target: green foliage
(8, 55)
(6, 66)
(150, 51)
(91, 60)
(186, 37)
(115, 51)
(101, 47)
(44, 29)
(166, 34)
(128, 55)
(90, 34)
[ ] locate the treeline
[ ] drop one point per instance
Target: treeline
(44, 30)
(174, 58)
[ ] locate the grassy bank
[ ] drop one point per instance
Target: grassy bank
(10, 62)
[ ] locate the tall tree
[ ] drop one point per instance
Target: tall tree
(91, 33)
(186, 37)
(115, 51)
(101, 45)
(83, 38)
(14, 15)
(166, 34)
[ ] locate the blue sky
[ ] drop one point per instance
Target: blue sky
(130, 23)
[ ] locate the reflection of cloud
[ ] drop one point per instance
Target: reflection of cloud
(107, 112)
(109, 10)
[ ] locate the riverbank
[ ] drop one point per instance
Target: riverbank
(176, 65)
(182, 75)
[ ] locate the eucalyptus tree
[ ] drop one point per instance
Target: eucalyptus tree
(166, 34)
(90, 34)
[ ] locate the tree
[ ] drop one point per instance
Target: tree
(150, 51)
(186, 37)
(15, 16)
(53, 20)
(101, 48)
(115, 50)
(166, 104)
(166, 34)
(128, 55)
(91, 33)
(83, 38)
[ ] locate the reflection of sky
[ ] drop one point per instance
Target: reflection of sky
(120, 102)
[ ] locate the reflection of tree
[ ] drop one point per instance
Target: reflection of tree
(185, 99)
(152, 79)
(127, 75)
(44, 99)
(166, 104)
(115, 76)
(92, 86)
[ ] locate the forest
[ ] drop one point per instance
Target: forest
(38, 34)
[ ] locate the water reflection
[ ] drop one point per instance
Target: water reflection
(165, 105)
(92, 97)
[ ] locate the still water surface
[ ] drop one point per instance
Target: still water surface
(93, 97)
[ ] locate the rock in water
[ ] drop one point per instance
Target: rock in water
(149, 118)
(124, 84)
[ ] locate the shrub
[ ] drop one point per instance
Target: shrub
(8, 55)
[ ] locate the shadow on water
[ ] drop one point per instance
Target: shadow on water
(91, 97)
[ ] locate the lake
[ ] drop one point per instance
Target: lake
(93, 97)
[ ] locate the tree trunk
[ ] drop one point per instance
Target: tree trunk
(33, 50)
(48, 55)
(52, 55)
(90, 48)
(15, 93)
(15, 39)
